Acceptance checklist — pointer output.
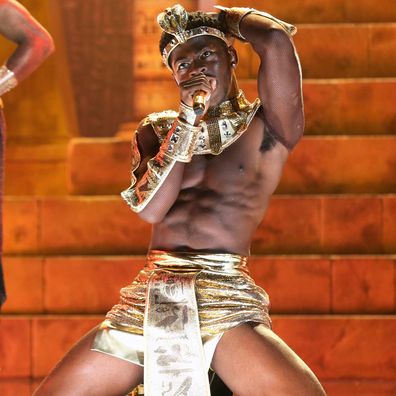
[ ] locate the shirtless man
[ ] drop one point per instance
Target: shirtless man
(204, 182)
(34, 44)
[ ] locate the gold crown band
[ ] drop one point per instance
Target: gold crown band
(189, 34)
(174, 21)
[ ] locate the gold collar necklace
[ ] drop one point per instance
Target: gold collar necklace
(224, 123)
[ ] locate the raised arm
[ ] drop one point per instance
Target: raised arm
(279, 76)
(34, 43)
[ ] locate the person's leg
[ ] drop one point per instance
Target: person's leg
(253, 364)
(84, 372)
(2, 154)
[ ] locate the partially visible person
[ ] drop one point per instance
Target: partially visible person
(34, 45)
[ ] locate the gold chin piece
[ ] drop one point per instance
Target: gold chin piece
(174, 21)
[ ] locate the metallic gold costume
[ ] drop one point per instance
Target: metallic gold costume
(177, 300)
(171, 317)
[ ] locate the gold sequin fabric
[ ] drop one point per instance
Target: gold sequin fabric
(226, 294)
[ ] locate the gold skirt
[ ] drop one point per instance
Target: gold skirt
(225, 296)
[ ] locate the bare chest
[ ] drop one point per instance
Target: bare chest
(238, 163)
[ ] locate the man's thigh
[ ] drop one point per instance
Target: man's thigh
(261, 364)
(84, 372)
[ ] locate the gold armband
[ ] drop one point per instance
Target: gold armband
(178, 145)
(234, 16)
(7, 80)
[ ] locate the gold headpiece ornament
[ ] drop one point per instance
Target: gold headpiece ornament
(174, 21)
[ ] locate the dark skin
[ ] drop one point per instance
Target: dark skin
(214, 203)
(34, 44)
(223, 207)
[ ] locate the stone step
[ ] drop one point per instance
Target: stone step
(324, 11)
(91, 284)
(346, 106)
(335, 51)
(293, 225)
(335, 347)
(318, 165)
(37, 169)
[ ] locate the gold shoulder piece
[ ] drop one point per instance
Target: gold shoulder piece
(161, 122)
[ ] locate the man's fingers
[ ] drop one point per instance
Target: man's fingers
(196, 80)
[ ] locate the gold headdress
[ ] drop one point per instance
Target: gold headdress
(174, 21)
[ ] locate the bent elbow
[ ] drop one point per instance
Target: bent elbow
(47, 45)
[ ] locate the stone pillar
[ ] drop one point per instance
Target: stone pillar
(97, 36)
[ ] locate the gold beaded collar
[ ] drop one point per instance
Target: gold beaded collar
(221, 127)
(225, 123)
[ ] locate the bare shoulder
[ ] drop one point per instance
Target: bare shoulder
(11, 8)
(18, 25)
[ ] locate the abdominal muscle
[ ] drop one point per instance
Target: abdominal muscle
(216, 211)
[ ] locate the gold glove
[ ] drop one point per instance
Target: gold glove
(234, 16)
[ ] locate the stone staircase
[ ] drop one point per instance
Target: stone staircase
(325, 252)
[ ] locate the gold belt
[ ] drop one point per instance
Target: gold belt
(174, 359)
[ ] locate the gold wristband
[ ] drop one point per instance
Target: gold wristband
(235, 15)
(7, 80)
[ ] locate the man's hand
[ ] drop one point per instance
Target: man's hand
(200, 82)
